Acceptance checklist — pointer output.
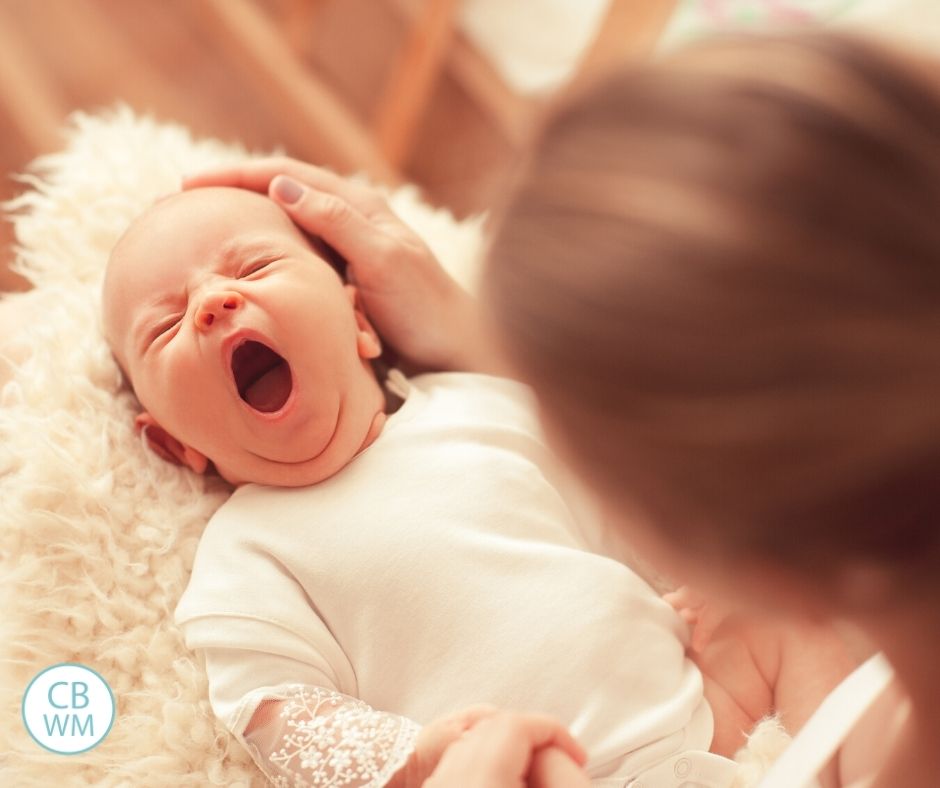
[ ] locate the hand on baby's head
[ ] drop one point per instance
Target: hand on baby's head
(244, 346)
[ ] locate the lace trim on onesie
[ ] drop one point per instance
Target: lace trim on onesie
(319, 737)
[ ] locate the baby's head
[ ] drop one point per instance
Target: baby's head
(243, 344)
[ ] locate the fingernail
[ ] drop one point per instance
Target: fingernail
(287, 190)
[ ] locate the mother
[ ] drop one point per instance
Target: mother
(721, 275)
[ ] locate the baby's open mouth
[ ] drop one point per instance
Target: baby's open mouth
(262, 376)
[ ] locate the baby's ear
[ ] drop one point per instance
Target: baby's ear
(367, 340)
(167, 447)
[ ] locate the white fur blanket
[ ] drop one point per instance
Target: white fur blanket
(97, 536)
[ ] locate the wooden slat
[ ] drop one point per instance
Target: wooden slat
(509, 112)
(628, 32)
(298, 18)
(328, 131)
(27, 93)
(413, 79)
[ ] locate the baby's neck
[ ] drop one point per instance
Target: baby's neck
(378, 422)
(380, 369)
(386, 400)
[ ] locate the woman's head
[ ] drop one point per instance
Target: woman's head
(722, 275)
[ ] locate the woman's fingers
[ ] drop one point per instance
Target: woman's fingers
(706, 624)
(704, 617)
(474, 714)
(548, 732)
(684, 596)
(512, 738)
(553, 768)
(257, 174)
(500, 750)
(330, 217)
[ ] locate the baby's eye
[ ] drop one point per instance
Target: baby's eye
(253, 268)
(165, 327)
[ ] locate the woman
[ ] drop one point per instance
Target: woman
(721, 275)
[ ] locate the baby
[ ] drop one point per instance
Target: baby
(376, 571)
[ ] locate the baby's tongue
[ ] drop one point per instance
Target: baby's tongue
(269, 392)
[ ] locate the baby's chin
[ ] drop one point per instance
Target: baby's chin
(278, 475)
(257, 470)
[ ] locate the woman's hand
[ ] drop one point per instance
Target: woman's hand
(427, 318)
(511, 750)
(433, 741)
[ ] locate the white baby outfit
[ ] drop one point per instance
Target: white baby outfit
(440, 569)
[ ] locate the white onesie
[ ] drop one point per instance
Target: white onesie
(440, 569)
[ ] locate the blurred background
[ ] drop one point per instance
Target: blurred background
(441, 93)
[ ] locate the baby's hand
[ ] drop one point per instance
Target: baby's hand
(511, 749)
(433, 739)
(704, 617)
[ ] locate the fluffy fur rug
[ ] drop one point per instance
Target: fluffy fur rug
(97, 536)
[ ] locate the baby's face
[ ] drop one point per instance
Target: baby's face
(243, 344)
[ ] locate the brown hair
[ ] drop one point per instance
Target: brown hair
(721, 273)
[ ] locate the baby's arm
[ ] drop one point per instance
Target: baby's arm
(316, 736)
(301, 730)
(309, 735)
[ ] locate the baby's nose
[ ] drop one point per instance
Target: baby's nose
(217, 306)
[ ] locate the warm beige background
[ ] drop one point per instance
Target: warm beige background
(175, 59)
(165, 57)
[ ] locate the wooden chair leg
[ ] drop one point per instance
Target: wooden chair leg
(413, 79)
(27, 94)
(327, 129)
(298, 18)
(629, 31)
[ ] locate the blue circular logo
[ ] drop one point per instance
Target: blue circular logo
(68, 708)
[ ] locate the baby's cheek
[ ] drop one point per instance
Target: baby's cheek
(185, 396)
